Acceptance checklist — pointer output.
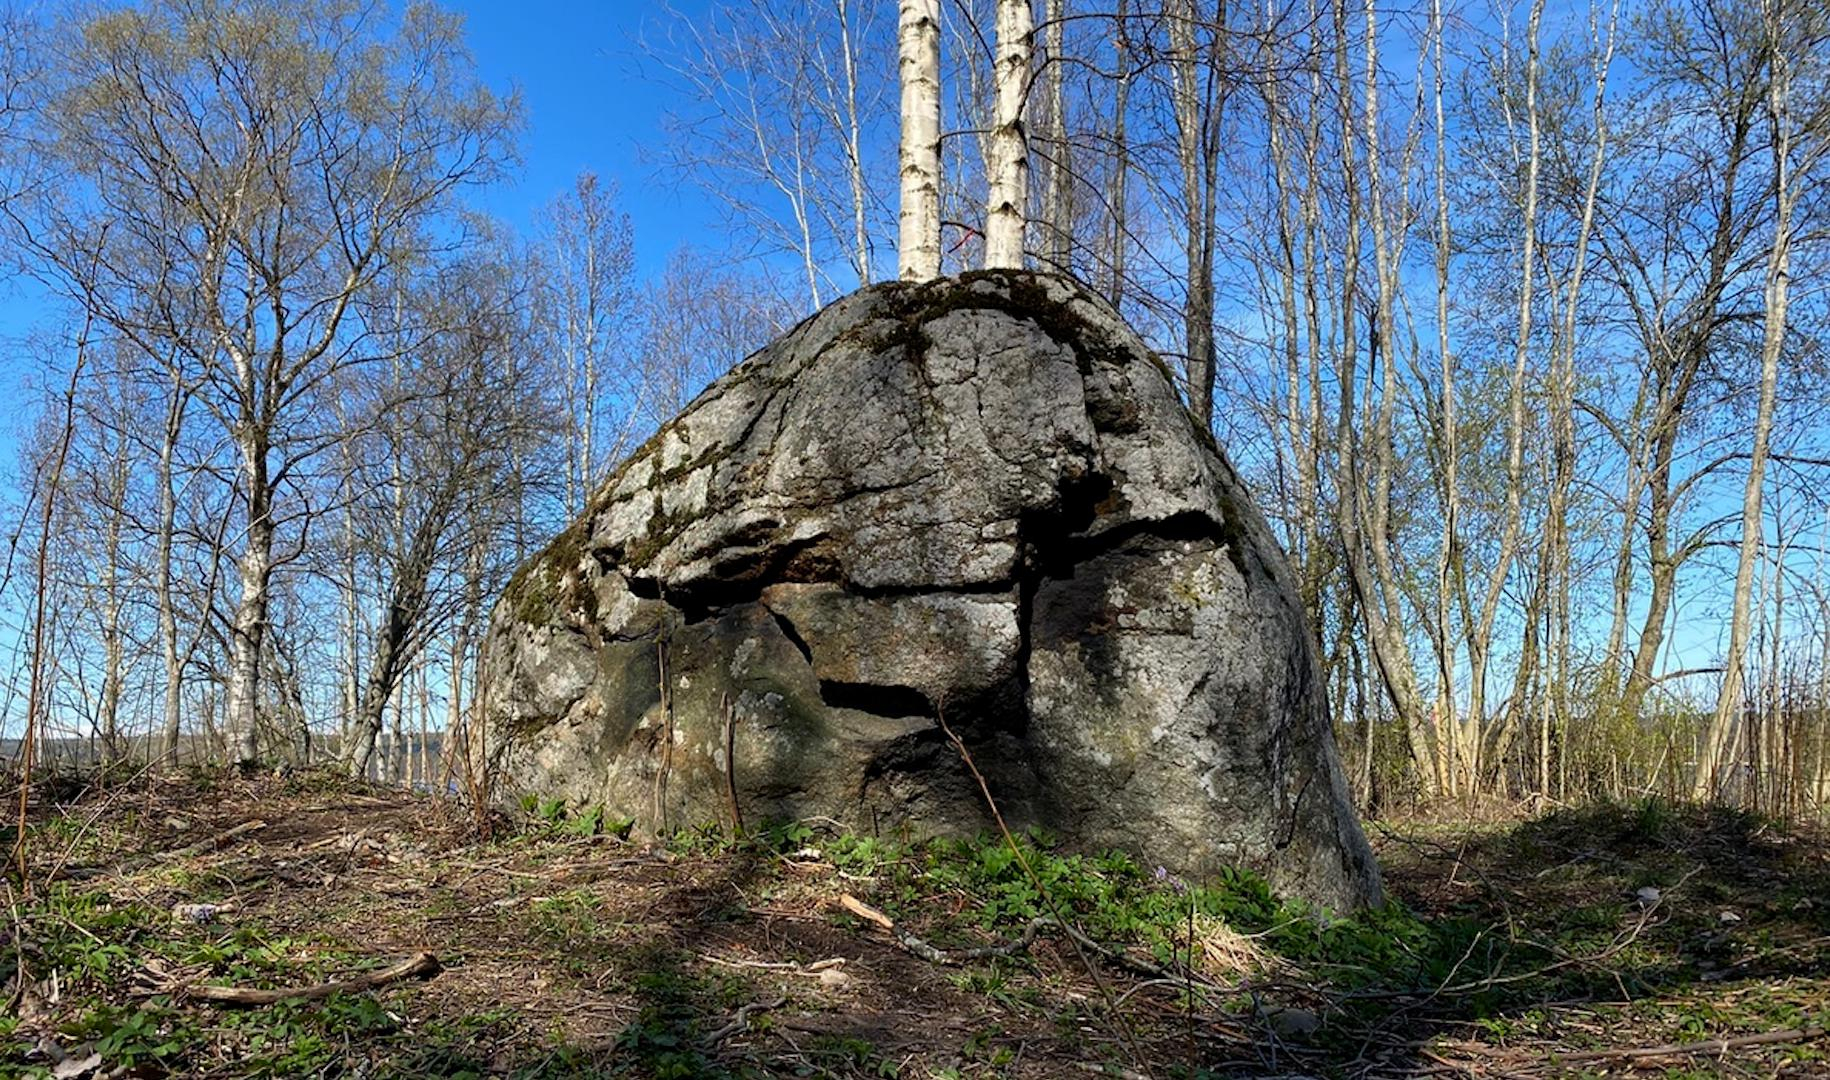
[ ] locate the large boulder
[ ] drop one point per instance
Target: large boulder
(973, 505)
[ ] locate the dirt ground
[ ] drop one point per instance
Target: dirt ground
(1641, 940)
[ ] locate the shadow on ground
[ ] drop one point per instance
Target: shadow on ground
(1601, 941)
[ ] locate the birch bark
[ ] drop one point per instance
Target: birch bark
(918, 38)
(1718, 750)
(1007, 213)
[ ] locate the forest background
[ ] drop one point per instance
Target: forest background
(321, 317)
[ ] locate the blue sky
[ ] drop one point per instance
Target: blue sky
(579, 68)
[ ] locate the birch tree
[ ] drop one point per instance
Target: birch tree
(1198, 96)
(699, 320)
(586, 309)
(918, 65)
(259, 168)
(1473, 745)
(1007, 211)
(1787, 41)
(1677, 258)
(1118, 185)
(450, 444)
(1058, 189)
(780, 103)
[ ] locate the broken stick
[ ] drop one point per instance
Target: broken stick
(864, 911)
(916, 946)
(419, 965)
(217, 842)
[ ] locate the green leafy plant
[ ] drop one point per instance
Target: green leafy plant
(127, 1037)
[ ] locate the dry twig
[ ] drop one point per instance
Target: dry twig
(741, 1020)
(419, 965)
(1705, 1046)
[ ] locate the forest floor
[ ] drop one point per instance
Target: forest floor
(1522, 948)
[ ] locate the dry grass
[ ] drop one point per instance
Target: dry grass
(573, 955)
(1226, 955)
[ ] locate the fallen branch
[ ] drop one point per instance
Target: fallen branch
(218, 841)
(1706, 1046)
(742, 1020)
(419, 965)
(814, 970)
(865, 911)
(1019, 944)
(920, 947)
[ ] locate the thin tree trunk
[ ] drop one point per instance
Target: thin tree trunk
(1451, 449)
(108, 713)
(1563, 436)
(854, 150)
(1376, 519)
(1677, 360)
(1057, 208)
(1775, 723)
(454, 702)
(918, 247)
(1313, 261)
(587, 466)
(167, 538)
(1007, 213)
(423, 772)
(1197, 154)
(35, 689)
(250, 621)
(1718, 749)
(1302, 512)
(1121, 152)
(1478, 730)
(1386, 638)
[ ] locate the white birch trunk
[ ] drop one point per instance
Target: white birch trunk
(1007, 212)
(108, 715)
(1717, 752)
(854, 149)
(168, 614)
(1476, 730)
(918, 39)
(1563, 391)
(250, 624)
(1451, 485)
(587, 466)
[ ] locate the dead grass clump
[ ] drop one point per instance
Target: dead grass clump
(1224, 954)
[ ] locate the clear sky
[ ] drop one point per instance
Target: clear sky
(589, 105)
